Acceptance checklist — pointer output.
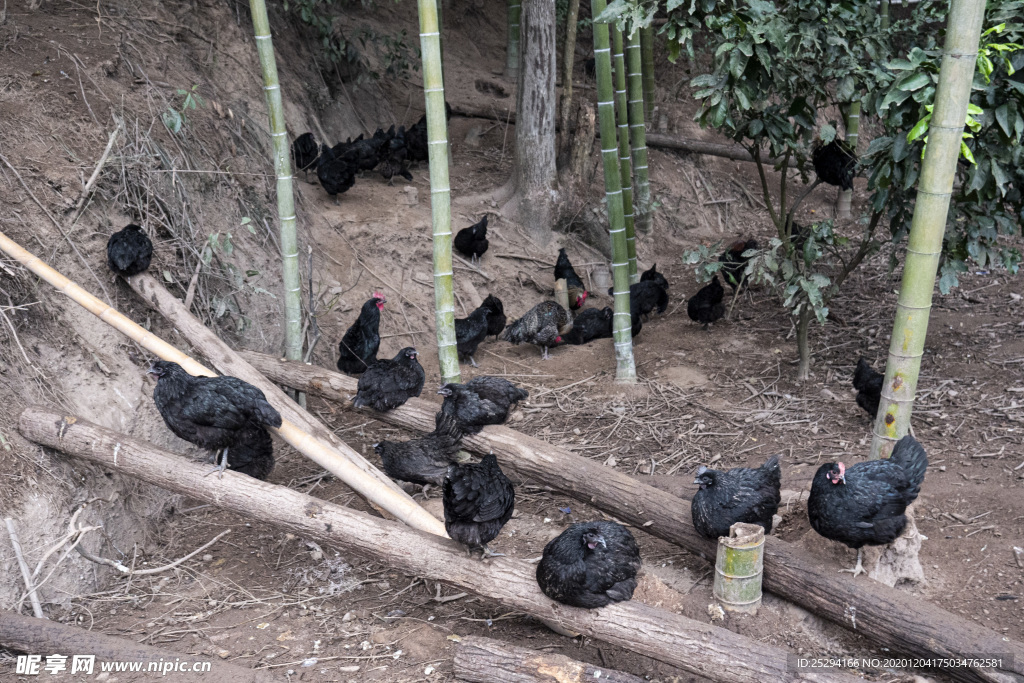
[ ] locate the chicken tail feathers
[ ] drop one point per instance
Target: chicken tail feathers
(446, 425)
(909, 454)
(514, 332)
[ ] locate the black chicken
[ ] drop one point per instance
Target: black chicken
(478, 500)
(835, 163)
(469, 332)
(416, 137)
(335, 173)
(705, 307)
(589, 324)
(481, 401)
(362, 154)
(865, 503)
(590, 68)
(652, 275)
(394, 155)
(387, 384)
(425, 460)
(358, 348)
(217, 413)
(542, 326)
(129, 251)
(868, 384)
(645, 297)
(590, 565)
(496, 318)
(742, 494)
(564, 270)
(735, 269)
(306, 151)
(472, 242)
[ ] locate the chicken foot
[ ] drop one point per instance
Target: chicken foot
(223, 456)
(859, 569)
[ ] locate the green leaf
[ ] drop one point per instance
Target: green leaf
(845, 89)
(913, 82)
(919, 129)
(966, 152)
(167, 276)
(611, 12)
(827, 133)
(1003, 118)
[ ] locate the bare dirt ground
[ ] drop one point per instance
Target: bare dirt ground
(263, 598)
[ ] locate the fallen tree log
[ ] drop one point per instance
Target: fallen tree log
(702, 649)
(889, 617)
(485, 660)
(43, 637)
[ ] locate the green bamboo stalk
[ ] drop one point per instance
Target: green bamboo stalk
(625, 160)
(924, 246)
(283, 172)
(883, 10)
(647, 52)
(625, 369)
(440, 192)
(638, 134)
(515, 10)
(844, 202)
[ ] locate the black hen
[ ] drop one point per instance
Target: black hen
(865, 503)
(481, 401)
(589, 324)
(478, 501)
(358, 348)
(363, 154)
(735, 269)
(472, 242)
(217, 413)
(425, 460)
(868, 384)
(335, 173)
(496, 318)
(394, 155)
(645, 297)
(834, 163)
(469, 332)
(652, 275)
(564, 270)
(416, 137)
(387, 384)
(742, 494)
(306, 151)
(705, 307)
(590, 68)
(129, 251)
(542, 326)
(590, 565)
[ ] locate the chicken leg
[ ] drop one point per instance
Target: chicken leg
(472, 361)
(487, 552)
(544, 355)
(859, 569)
(222, 466)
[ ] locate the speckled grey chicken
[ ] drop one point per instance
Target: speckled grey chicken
(387, 384)
(425, 460)
(542, 326)
(590, 565)
(742, 494)
(478, 501)
(482, 401)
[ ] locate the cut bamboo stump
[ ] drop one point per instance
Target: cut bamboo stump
(485, 660)
(705, 650)
(739, 568)
(42, 637)
(894, 619)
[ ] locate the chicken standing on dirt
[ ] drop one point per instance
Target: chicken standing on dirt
(478, 500)
(358, 348)
(542, 326)
(129, 251)
(590, 565)
(481, 401)
(865, 503)
(589, 324)
(868, 384)
(306, 151)
(742, 494)
(335, 173)
(469, 332)
(564, 271)
(644, 297)
(387, 384)
(652, 275)
(496, 317)
(425, 460)
(472, 242)
(219, 414)
(706, 307)
(734, 269)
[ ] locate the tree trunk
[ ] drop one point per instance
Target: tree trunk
(924, 245)
(440, 190)
(638, 135)
(568, 59)
(702, 649)
(485, 660)
(844, 202)
(292, 294)
(574, 173)
(647, 51)
(625, 160)
(803, 324)
(889, 617)
(512, 43)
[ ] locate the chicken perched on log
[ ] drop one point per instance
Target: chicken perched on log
(835, 163)
(306, 152)
(590, 565)
(478, 501)
(425, 460)
(705, 307)
(590, 324)
(542, 326)
(387, 384)
(742, 494)
(864, 504)
(335, 173)
(472, 242)
(868, 384)
(735, 259)
(469, 332)
(564, 271)
(481, 401)
(217, 413)
(129, 251)
(652, 275)
(358, 348)
(496, 317)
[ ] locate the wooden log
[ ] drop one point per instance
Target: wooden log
(43, 637)
(702, 649)
(485, 660)
(333, 455)
(889, 617)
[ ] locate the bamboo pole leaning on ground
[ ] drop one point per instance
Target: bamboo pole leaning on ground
(364, 480)
(708, 651)
(485, 660)
(887, 616)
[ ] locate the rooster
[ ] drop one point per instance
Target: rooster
(542, 326)
(564, 270)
